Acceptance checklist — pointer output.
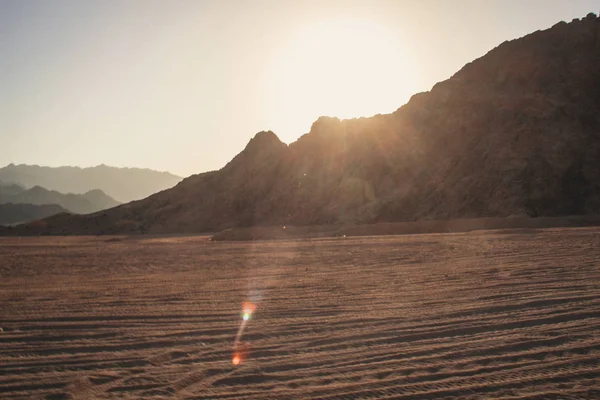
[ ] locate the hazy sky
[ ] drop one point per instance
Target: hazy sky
(183, 85)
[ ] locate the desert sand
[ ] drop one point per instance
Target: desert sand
(480, 315)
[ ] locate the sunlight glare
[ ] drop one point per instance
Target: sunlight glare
(342, 68)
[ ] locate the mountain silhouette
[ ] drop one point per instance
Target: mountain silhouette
(122, 184)
(513, 133)
(10, 188)
(92, 201)
(18, 213)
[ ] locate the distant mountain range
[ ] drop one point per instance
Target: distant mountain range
(122, 184)
(514, 133)
(10, 189)
(92, 201)
(11, 214)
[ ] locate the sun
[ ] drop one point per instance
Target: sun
(346, 67)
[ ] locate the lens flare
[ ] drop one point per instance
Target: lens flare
(247, 310)
(240, 350)
(248, 307)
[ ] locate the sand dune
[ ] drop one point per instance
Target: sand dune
(438, 316)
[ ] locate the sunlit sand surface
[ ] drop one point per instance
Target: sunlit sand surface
(444, 316)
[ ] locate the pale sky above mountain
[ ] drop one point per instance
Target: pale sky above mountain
(183, 85)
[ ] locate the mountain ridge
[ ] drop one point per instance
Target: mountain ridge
(89, 202)
(11, 214)
(123, 184)
(515, 132)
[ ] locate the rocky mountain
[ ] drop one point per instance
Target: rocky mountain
(18, 213)
(92, 201)
(123, 184)
(513, 133)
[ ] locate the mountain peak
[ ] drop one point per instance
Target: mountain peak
(95, 192)
(264, 138)
(264, 141)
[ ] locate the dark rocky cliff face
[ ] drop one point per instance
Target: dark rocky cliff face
(516, 132)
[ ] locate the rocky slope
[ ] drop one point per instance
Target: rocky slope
(122, 184)
(514, 133)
